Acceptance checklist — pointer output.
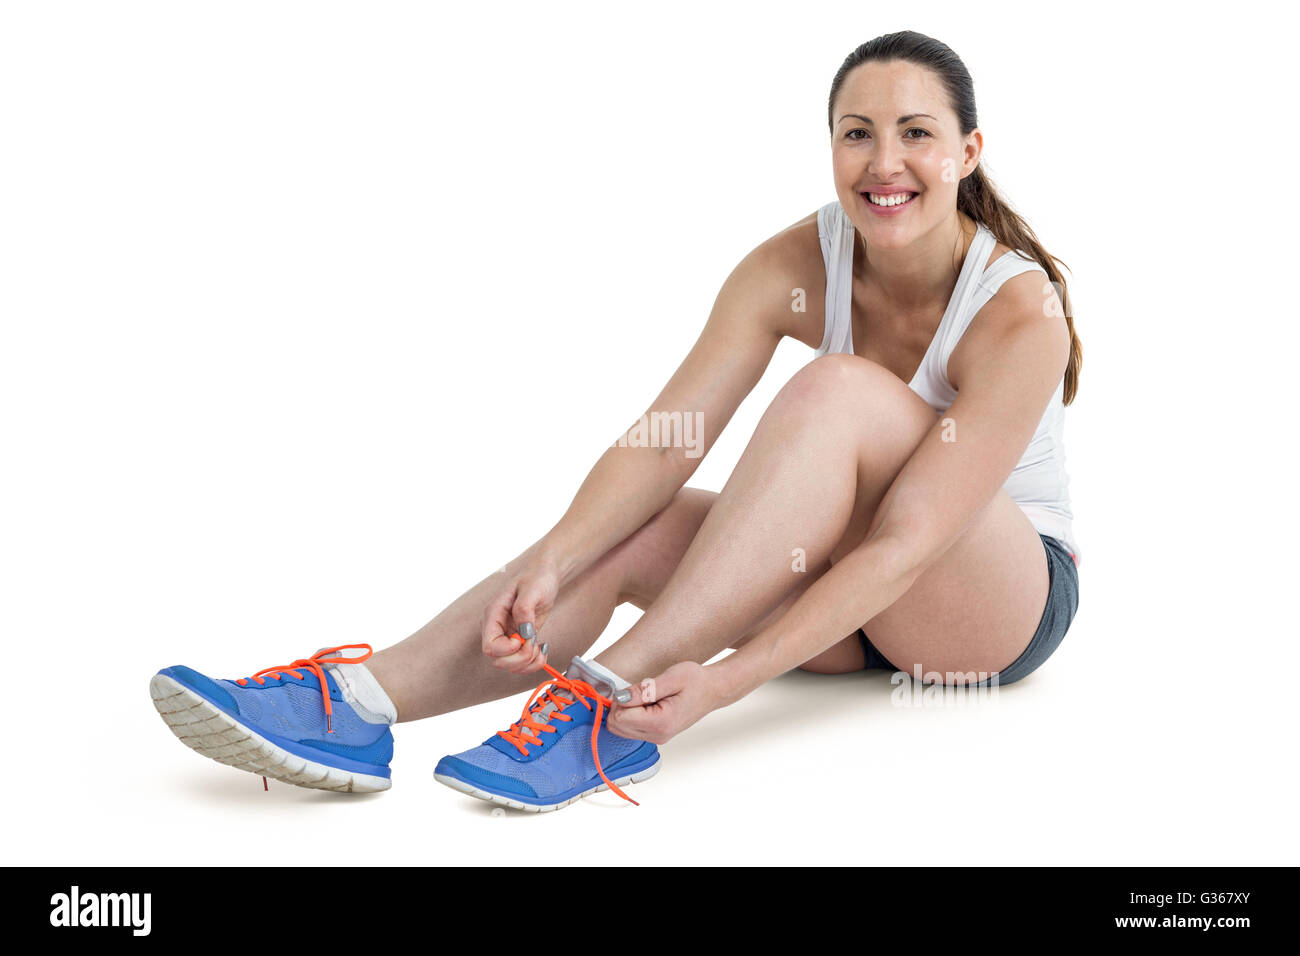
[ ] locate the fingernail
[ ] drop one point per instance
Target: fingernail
(546, 648)
(624, 696)
(528, 632)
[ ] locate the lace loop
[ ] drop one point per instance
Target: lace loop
(313, 664)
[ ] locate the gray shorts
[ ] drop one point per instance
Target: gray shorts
(1062, 602)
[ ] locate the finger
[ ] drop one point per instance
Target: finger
(521, 661)
(523, 637)
(496, 626)
(521, 657)
(635, 723)
(501, 647)
(526, 607)
(646, 692)
(539, 659)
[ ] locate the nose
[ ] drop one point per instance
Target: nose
(886, 159)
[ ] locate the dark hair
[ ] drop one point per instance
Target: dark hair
(977, 197)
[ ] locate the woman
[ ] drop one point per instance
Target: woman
(911, 477)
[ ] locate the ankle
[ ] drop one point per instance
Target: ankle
(362, 688)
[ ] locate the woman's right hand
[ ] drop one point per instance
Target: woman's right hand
(527, 597)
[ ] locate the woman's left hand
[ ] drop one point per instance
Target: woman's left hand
(664, 706)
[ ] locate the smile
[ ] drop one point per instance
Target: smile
(894, 199)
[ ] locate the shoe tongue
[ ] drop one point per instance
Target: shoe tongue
(544, 712)
(601, 679)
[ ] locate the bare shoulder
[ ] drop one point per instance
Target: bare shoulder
(784, 280)
(1025, 308)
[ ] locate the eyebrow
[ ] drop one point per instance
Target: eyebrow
(901, 120)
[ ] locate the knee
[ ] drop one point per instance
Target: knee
(861, 399)
(843, 380)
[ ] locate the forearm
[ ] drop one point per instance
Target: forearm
(624, 489)
(852, 592)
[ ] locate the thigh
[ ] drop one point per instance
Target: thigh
(976, 609)
(978, 606)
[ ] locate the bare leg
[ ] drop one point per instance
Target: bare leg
(811, 478)
(441, 667)
(842, 658)
(713, 570)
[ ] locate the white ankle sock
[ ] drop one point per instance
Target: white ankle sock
(360, 689)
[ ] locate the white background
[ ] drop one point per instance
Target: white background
(315, 313)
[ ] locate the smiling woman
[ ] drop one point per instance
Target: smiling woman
(916, 465)
(940, 156)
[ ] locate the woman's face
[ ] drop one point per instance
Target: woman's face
(896, 135)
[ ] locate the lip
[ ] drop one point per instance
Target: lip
(887, 210)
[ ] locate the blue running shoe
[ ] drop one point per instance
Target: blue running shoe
(553, 755)
(288, 722)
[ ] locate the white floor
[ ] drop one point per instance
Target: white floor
(1080, 763)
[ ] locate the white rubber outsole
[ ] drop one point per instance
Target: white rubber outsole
(209, 731)
(473, 791)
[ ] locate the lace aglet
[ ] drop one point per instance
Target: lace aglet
(264, 784)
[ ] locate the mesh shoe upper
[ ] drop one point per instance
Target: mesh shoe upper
(293, 710)
(561, 765)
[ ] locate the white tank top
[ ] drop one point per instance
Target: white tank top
(1039, 484)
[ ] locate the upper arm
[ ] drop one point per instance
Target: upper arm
(1012, 359)
(750, 316)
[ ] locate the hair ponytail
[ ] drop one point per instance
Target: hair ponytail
(978, 198)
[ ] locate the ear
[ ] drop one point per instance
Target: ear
(972, 149)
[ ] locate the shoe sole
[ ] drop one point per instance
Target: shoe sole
(212, 732)
(473, 791)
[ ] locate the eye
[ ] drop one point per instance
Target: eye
(915, 129)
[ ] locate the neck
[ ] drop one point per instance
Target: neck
(924, 272)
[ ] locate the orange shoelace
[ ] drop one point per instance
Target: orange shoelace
(313, 664)
(526, 731)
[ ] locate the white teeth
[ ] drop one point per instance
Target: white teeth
(896, 199)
